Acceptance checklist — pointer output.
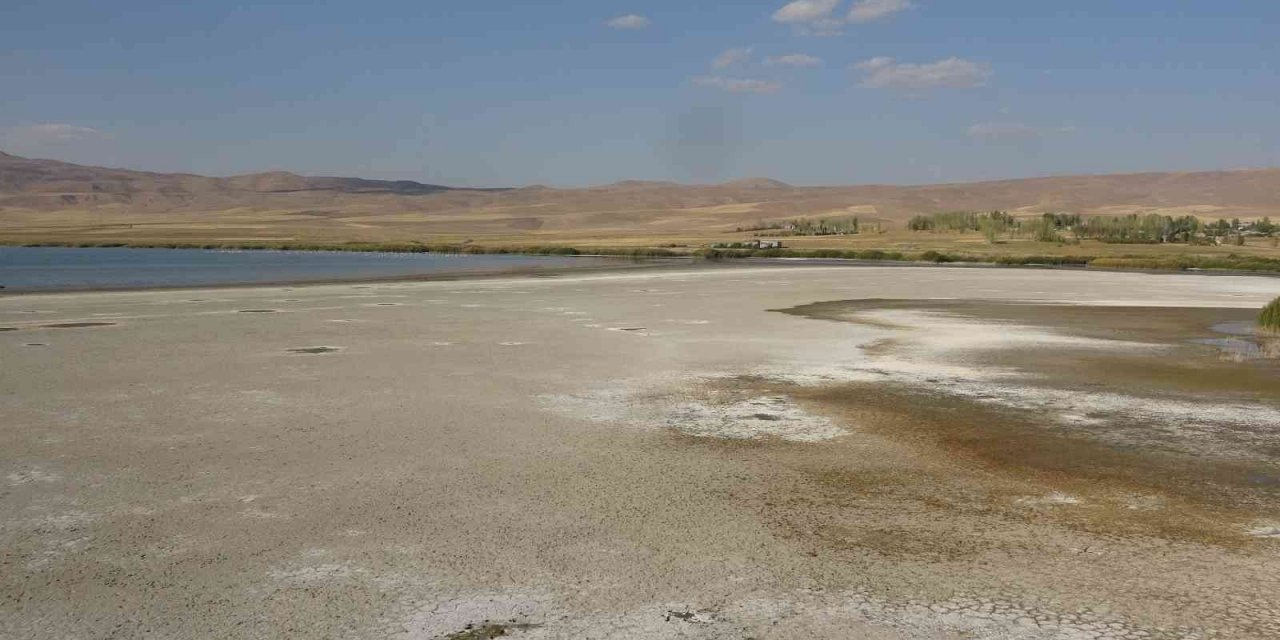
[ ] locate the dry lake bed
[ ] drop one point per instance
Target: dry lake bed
(747, 452)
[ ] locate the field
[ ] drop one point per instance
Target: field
(285, 231)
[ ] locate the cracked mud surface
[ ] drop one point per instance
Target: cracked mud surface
(899, 466)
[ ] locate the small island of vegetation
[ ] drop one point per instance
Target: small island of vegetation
(1269, 319)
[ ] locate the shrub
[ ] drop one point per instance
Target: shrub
(934, 256)
(1269, 319)
(827, 253)
(1043, 260)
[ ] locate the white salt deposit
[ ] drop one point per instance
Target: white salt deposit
(930, 350)
(1271, 531)
(754, 418)
(1055, 498)
(762, 417)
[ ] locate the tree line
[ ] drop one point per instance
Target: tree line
(1128, 229)
(809, 227)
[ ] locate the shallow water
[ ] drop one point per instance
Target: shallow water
(57, 268)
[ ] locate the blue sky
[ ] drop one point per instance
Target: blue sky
(583, 92)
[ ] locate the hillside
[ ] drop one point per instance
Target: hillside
(50, 184)
(47, 199)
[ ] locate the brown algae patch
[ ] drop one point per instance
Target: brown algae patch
(1030, 471)
(490, 630)
(1196, 347)
(930, 496)
(77, 325)
(1127, 441)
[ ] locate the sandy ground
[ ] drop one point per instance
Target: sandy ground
(618, 455)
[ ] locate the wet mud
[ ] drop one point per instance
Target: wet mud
(1155, 480)
(314, 350)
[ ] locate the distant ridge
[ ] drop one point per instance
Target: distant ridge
(49, 199)
(757, 183)
(24, 176)
(637, 184)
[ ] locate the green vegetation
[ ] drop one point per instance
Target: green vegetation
(1269, 319)
(808, 227)
(994, 224)
(936, 257)
(961, 221)
(1135, 229)
(838, 254)
(1231, 262)
(1130, 229)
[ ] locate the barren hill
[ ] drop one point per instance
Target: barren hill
(47, 199)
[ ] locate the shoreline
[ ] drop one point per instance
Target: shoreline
(521, 272)
(636, 263)
(1231, 264)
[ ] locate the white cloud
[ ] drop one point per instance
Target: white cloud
(738, 85)
(631, 21)
(811, 17)
(55, 132)
(870, 10)
(1003, 131)
(951, 73)
(47, 134)
(817, 17)
(793, 60)
(730, 57)
(805, 11)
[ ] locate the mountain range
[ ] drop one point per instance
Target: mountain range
(44, 198)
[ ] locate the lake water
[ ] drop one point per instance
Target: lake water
(52, 269)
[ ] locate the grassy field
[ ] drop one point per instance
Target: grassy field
(257, 229)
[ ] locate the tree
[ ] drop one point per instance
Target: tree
(1265, 226)
(991, 227)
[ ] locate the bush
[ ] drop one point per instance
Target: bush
(1043, 260)
(934, 256)
(1181, 263)
(1269, 319)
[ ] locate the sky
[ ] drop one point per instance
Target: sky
(583, 92)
